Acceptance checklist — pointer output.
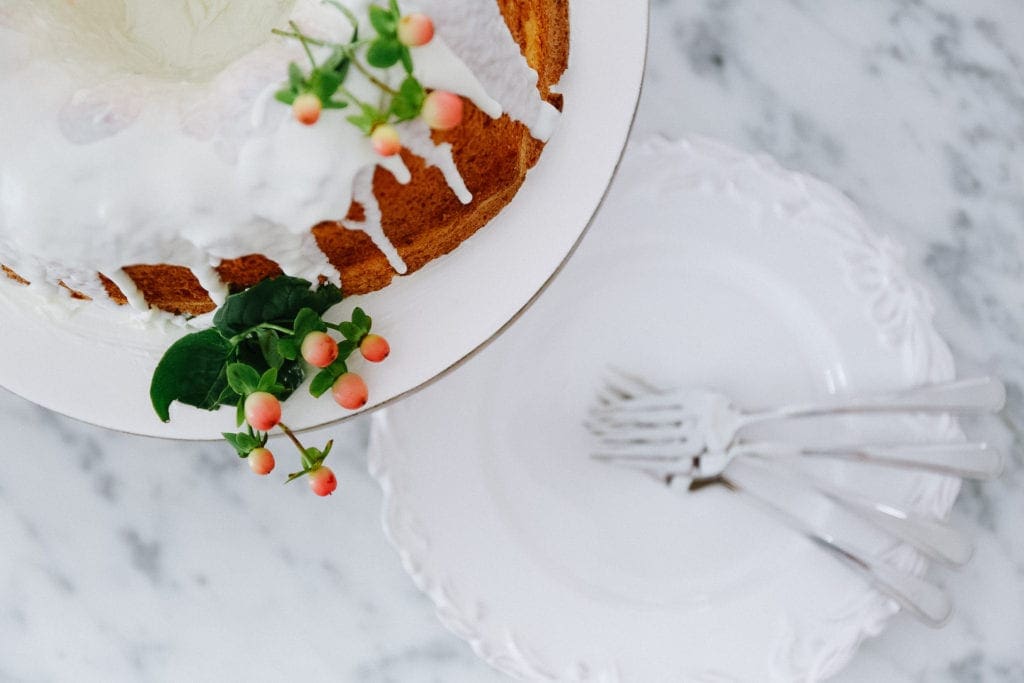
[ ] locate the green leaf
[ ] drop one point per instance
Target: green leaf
(240, 412)
(351, 331)
(268, 380)
(408, 103)
(338, 63)
(369, 118)
(406, 57)
(393, 5)
(360, 318)
(290, 375)
(307, 321)
(345, 349)
(191, 371)
(268, 341)
(325, 379)
(360, 122)
(324, 84)
(228, 397)
(243, 443)
(243, 379)
(286, 95)
(335, 104)
(275, 301)
(295, 475)
(384, 53)
(384, 22)
(295, 77)
(322, 383)
(289, 348)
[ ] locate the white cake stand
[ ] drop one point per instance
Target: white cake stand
(92, 366)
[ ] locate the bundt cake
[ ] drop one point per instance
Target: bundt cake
(146, 162)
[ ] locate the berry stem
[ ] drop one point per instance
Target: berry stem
(373, 79)
(303, 39)
(294, 439)
(348, 93)
(238, 338)
(348, 50)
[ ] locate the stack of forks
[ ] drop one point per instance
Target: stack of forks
(695, 438)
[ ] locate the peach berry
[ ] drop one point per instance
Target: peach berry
(350, 391)
(319, 349)
(442, 110)
(385, 140)
(261, 461)
(307, 108)
(262, 411)
(322, 481)
(374, 348)
(415, 29)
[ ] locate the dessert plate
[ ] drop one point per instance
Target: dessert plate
(93, 366)
(710, 267)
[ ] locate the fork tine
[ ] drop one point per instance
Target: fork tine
(645, 403)
(614, 417)
(630, 383)
(663, 472)
(644, 427)
(643, 434)
(606, 396)
(641, 452)
(611, 424)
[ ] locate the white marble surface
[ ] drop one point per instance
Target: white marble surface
(126, 559)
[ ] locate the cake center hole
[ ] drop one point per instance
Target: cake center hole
(175, 39)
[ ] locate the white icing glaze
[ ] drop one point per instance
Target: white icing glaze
(145, 131)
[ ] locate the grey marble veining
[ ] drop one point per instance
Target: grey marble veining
(129, 559)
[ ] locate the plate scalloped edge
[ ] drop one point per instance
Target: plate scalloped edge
(903, 311)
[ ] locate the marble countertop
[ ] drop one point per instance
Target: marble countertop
(127, 559)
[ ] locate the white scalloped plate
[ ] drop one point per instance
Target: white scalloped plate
(708, 267)
(93, 366)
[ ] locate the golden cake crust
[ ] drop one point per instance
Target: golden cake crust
(423, 219)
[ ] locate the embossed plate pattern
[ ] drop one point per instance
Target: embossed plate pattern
(706, 266)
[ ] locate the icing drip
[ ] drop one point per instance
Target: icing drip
(416, 138)
(151, 134)
(372, 220)
(124, 282)
(493, 56)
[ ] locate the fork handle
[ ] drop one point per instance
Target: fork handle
(968, 460)
(936, 539)
(921, 598)
(978, 394)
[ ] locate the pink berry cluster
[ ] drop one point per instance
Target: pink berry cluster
(260, 349)
(261, 409)
(323, 88)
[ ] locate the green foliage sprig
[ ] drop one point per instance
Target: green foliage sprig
(255, 347)
(326, 79)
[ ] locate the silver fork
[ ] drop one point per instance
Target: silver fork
(695, 432)
(689, 456)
